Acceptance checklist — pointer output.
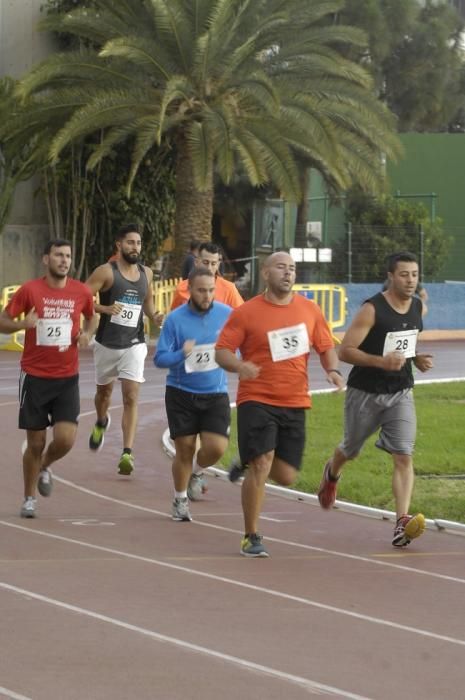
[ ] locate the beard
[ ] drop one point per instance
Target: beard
(200, 309)
(131, 258)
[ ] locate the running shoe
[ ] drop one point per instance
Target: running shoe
(252, 546)
(28, 509)
(407, 528)
(126, 464)
(180, 510)
(45, 482)
(197, 487)
(236, 470)
(97, 438)
(328, 489)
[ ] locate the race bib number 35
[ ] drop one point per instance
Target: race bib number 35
(201, 359)
(128, 316)
(286, 343)
(401, 341)
(54, 331)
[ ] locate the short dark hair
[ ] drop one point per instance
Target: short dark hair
(402, 256)
(200, 272)
(210, 247)
(194, 245)
(125, 229)
(55, 243)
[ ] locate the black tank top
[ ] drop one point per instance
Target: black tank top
(130, 329)
(375, 380)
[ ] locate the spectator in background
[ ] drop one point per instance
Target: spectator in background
(190, 259)
(225, 291)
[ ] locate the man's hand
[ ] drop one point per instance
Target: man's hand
(157, 318)
(248, 370)
(188, 347)
(30, 319)
(393, 361)
(423, 362)
(337, 380)
(112, 310)
(83, 339)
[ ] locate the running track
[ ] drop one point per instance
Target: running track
(104, 597)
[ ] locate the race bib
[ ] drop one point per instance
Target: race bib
(54, 332)
(286, 343)
(128, 316)
(201, 359)
(401, 341)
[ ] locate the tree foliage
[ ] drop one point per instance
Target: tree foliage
(415, 54)
(380, 226)
(232, 84)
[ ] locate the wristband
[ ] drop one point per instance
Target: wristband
(334, 370)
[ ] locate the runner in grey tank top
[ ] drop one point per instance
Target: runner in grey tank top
(125, 294)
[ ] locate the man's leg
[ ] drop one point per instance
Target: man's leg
(64, 436)
(32, 460)
(130, 392)
(102, 401)
(402, 483)
(253, 490)
(182, 470)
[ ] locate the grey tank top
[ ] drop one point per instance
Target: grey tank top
(127, 328)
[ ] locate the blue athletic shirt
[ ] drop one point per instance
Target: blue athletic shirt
(186, 324)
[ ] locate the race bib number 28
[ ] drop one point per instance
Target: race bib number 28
(401, 341)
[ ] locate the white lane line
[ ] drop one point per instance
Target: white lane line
(241, 584)
(309, 685)
(290, 543)
(11, 694)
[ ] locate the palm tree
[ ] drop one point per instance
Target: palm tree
(231, 85)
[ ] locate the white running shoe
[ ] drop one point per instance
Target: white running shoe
(28, 509)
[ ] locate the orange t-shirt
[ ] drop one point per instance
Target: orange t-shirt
(225, 292)
(297, 325)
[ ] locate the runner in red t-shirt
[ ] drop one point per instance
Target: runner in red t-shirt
(49, 389)
(273, 332)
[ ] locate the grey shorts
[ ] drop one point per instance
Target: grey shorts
(393, 414)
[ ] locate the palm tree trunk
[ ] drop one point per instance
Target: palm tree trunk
(194, 209)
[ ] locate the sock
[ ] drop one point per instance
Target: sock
(127, 451)
(197, 469)
(180, 494)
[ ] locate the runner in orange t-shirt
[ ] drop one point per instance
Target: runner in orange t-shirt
(273, 332)
(225, 291)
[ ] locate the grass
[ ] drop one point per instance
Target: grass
(439, 457)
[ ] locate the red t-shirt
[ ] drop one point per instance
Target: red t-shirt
(282, 381)
(51, 361)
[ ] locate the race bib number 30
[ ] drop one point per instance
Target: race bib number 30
(201, 359)
(54, 331)
(401, 341)
(286, 343)
(128, 316)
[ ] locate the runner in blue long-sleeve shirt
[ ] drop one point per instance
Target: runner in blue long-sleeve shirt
(196, 398)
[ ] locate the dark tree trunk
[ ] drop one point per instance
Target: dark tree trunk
(194, 209)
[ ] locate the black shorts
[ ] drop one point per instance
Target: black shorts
(262, 428)
(44, 402)
(191, 414)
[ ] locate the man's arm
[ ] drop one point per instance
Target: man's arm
(101, 279)
(330, 363)
(10, 325)
(148, 305)
(360, 327)
(88, 329)
(231, 363)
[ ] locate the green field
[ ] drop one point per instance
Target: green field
(439, 455)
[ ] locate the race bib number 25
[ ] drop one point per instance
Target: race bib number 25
(54, 332)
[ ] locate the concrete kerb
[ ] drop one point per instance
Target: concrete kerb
(366, 511)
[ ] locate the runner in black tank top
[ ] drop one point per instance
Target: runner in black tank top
(381, 346)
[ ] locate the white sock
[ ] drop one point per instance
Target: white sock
(196, 469)
(180, 494)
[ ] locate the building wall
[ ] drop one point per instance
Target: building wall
(21, 46)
